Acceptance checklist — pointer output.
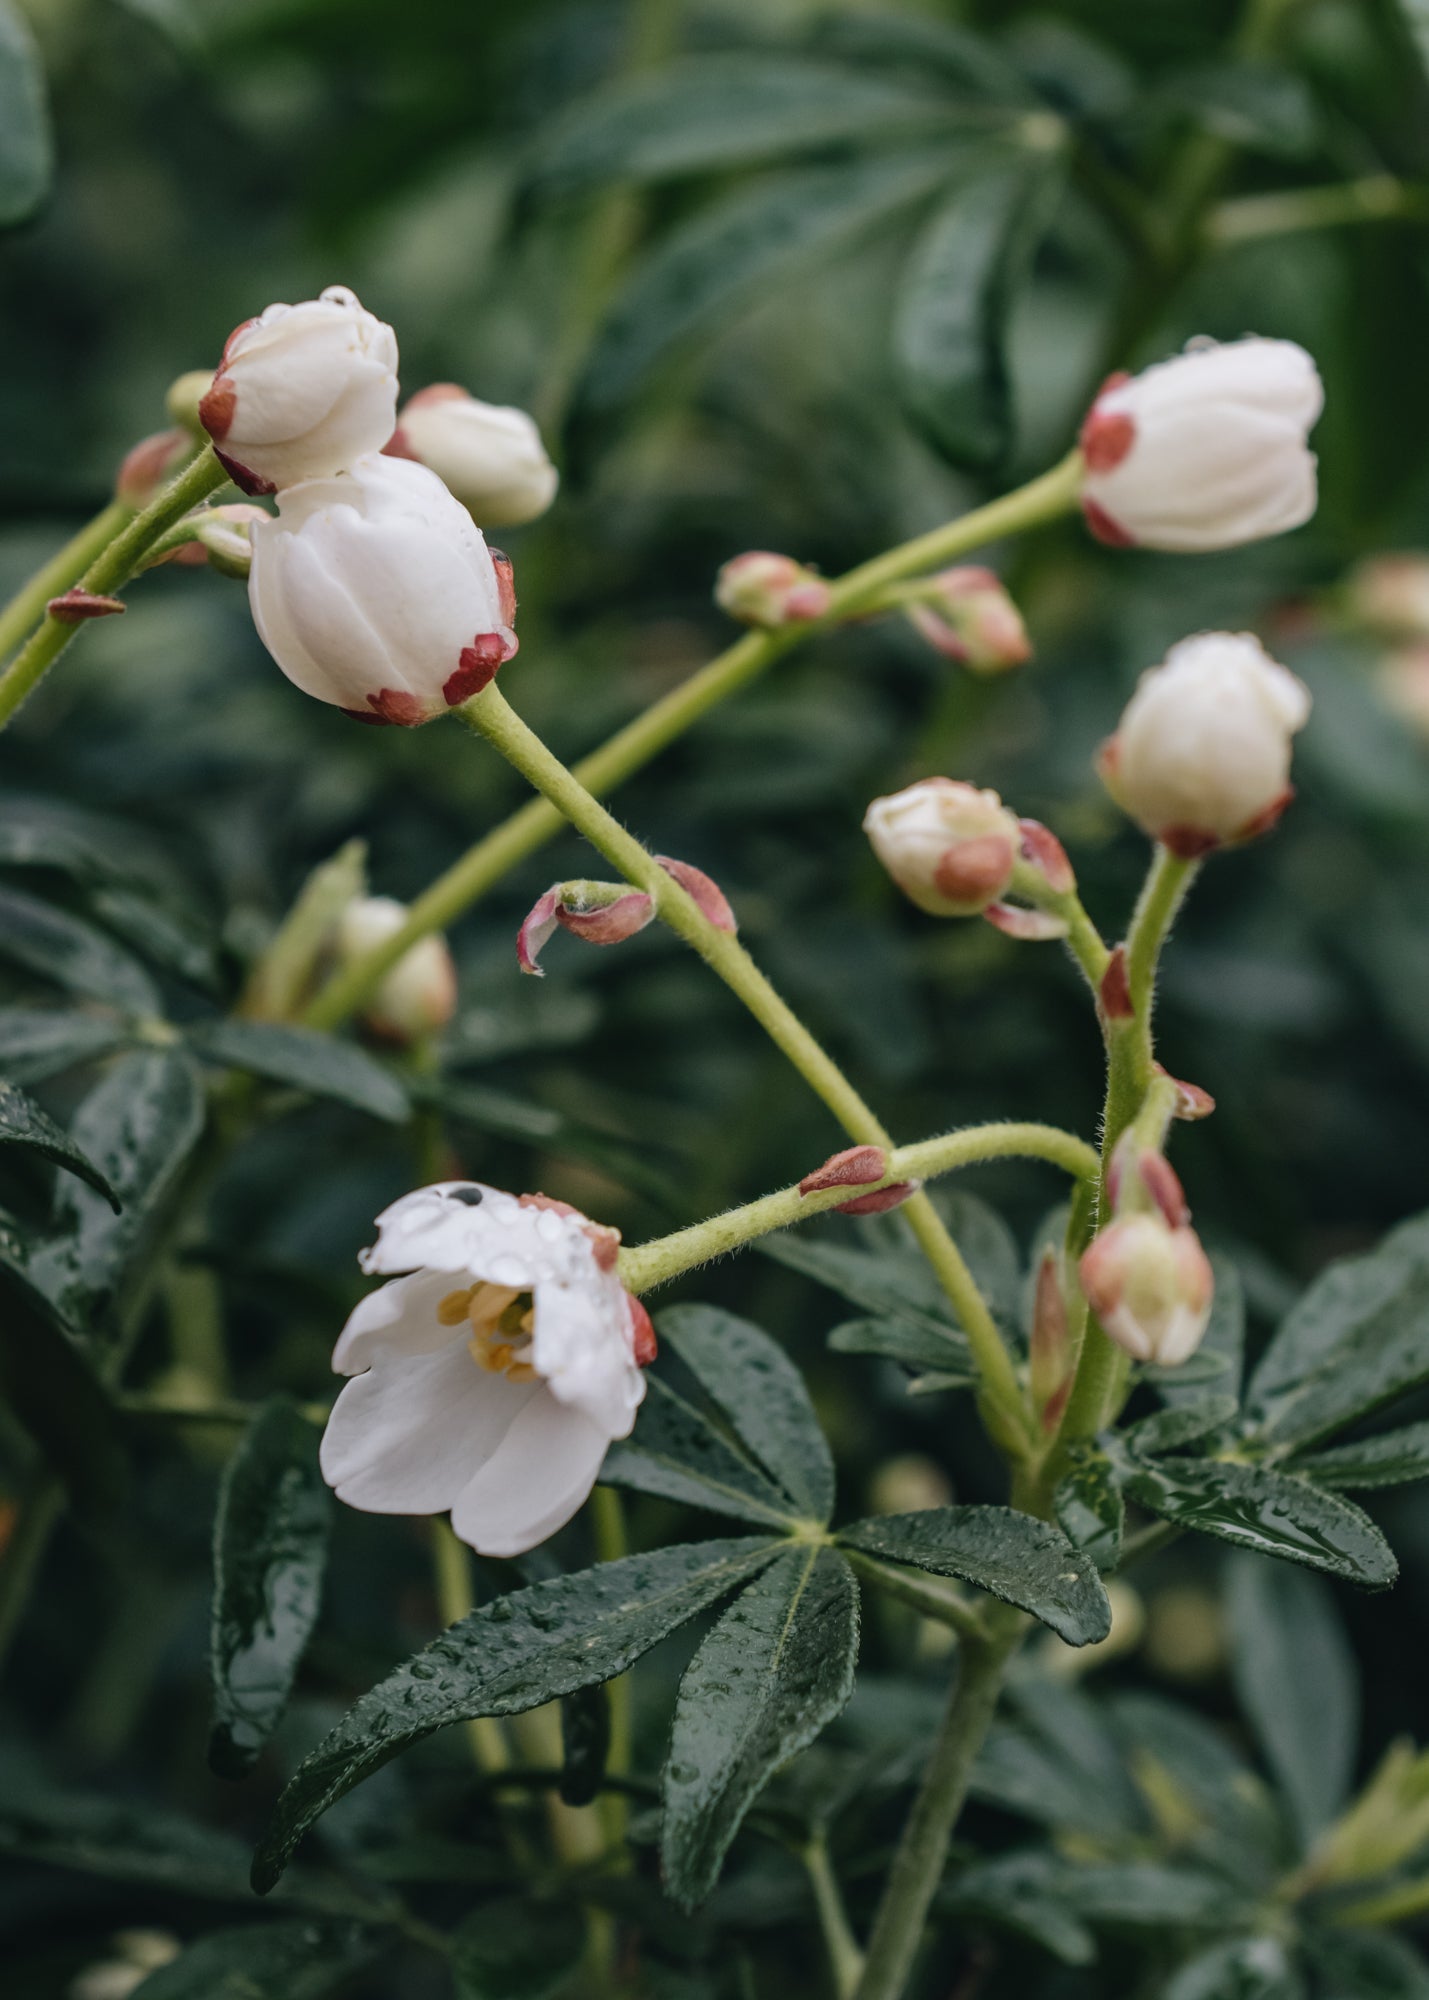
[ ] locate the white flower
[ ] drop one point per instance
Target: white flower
(490, 1380)
(1151, 1287)
(303, 392)
(948, 846)
(1205, 451)
(419, 994)
(1202, 755)
(375, 591)
(488, 454)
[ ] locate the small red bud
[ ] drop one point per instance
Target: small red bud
(714, 904)
(1115, 992)
(856, 1166)
(646, 1345)
(77, 605)
(880, 1200)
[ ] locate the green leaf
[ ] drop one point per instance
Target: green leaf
(911, 1345)
(1147, 1893)
(72, 953)
(950, 322)
(1024, 1893)
(515, 1950)
(776, 1668)
(1090, 1509)
(270, 1543)
(1224, 1342)
(677, 1453)
(1060, 1764)
(1022, 1561)
(585, 1744)
(1253, 1968)
(1172, 1429)
(1259, 106)
(513, 1654)
(40, 1042)
(725, 257)
(728, 110)
(307, 1060)
(1393, 1458)
(52, 1387)
(1199, 1783)
(752, 1381)
(24, 1124)
(960, 58)
(1295, 1678)
(26, 148)
(1366, 1965)
(1268, 1512)
(900, 1287)
(286, 1961)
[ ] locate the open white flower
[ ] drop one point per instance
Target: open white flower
(490, 1379)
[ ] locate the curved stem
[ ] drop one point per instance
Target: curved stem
(483, 865)
(492, 717)
(27, 607)
(922, 1594)
(109, 571)
(1373, 198)
(845, 1958)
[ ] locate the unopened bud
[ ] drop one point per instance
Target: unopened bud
(1390, 594)
(149, 466)
(1042, 850)
(760, 588)
(1402, 682)
(856, 1166)
(184, 396)
(880, 1200)
(950, 847)
(489, 455)
(419, 995)
(968, 616)
(78, 605)
(909, 1483)
(1150, 1286)
(1049, 1351)
(598, 912)
(1192, 1102)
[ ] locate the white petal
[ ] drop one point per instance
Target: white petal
(533, 1483)
(400, 1317)
(584, 1347)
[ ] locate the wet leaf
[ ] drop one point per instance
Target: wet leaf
(1187, 1422)
(910, 1345)
(585, 1743)
(1090, 1510)
(40, 1042)
(23, 1124)
(677, 1453)
(1269, 1512)
(1393, 1458)
(307, 1060)
(72, 953)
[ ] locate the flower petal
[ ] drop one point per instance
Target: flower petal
(584, 1345)
(533, 1483)
(400, 1317)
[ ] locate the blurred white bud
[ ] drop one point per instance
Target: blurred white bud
(303, 392)
(1402, 680)
(1204, 451)
(1390, 594)
(908, 1483)
(375, 591)
(972, 618)
(950, 847)
(418, 996)
(149, 466)
(488, 454)
(761, 588)
(137, 1953)
(1202, 756)
(1150, 1286)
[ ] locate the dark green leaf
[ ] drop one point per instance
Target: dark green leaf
(926, 47)
(989, 1249)
(1144, 1892)
(1224, 1343)
(1367, 1965)
(39, 1042)
(585, 1743)
(1255, 105)
(1268, 1512)
(1024, 1893)
(1091, 1511)
(1393, 1458)
(1187, 1765)
(1172, 1429)
(752, 1381)
(1023, 1561)
(24, 1124)
(1060, 1763)
(511, 1950)
(269, 1549)
(775, 1669)
(307, 1061)
(515, 1653)
(1252, 1968)
(1295, 1676)
(678, 1454)
(26, 161)
(51, 1385)
(950, 323)
(909, 1344)
(72, 953)
(287, 1961)
(899, 1286)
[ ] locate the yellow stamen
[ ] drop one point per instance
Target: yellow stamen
(452, 1309)
(521, 1371)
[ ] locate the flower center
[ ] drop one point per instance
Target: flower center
(501, 1320)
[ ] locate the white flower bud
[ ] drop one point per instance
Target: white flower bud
(1202, 756)
(971, 618)
(418, 996)
(1150, 1286)
(303, 392)
(1390, 594)
(948, 846)
(376, 592)
(488, 454)
(1205, 451)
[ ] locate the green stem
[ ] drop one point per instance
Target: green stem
(492, 717)
(483, 865)
(650, 1264)
(1374, 198)
(109, 571)
(27, 607)
(923, 1850)
(611, 1543)
(1161, 897)
(451, 1573)
(929, 1599)
(845, 1958)
(1084, 941)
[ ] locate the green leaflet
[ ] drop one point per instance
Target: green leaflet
(1269, 1512)
(50, 1383)
(26, 147)
(39, 1042)
(1393, 1458)
(677, 1453)
(515, 1653)
(269, 1550)
(776, 1668)
(1250, 1968)
(320, 1064)
(1090, 1510)
(56, 946)
(944, 1355)
(585, 1743)
(25, 1125)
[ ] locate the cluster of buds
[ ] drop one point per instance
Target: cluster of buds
(610, 912)
(1146, 1276)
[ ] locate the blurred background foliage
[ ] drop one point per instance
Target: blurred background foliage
(699, 241)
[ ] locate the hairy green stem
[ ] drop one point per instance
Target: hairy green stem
(451, 1574)
(1374, 198)
(845, 1958)
(922, 1594)
(27, 607)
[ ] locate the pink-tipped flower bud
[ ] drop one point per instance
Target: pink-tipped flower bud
(303, 392)
(948, 846)
(1390, 594)
(1204, 451)
(488, 454)
(1202, 756)
(1150, 1286)
(419, 995)
(760, 588)
(375, 591)
(149, 466)
(970, 617)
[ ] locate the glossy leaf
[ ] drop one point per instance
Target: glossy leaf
(585, 1744)
(515, 1653)
(877, 1281)
(1393, 1458)
(1186, 1423)
(56, 946)
(517, 1950)
(40, 1042)
(1295, 1678)
(772, 1672)
(911, 1346)
(1021, 1560)
(1090, 1510)
(320, 1064)
(25, 1125)
(285, 1961)
(50, 1383)
(1251, 1968)
(677, 1453)
(1268, 1512)
(1224, 1343)
(26, 147)
(752, 1381)
(270, 1543)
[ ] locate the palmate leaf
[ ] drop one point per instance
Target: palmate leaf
(320, 1064)
(72, 953)
(1060, 1763)
(774, 1670)
(1090, 1509)
(26, 147)
(676, 1453)
(878, 1282)
(943, 1357)
(24, 1125)
(518, 1652)
(1271, 1513)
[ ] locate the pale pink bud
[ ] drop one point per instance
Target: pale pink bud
(1192, 1101)
(598, 912)
(1204, 451)
(1402, 680)
(1044, 852)
(760, 588)
(1150, 1286)
(419, 995)
(1391, 595)
(1141, 1179)
(1202, 756)
(375, 591)
(302, 392)
(948, 846)
(222, 539)
(488, 454)
(149, 466)
(972, 619)
(880, 1200)
(1049, 1354)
